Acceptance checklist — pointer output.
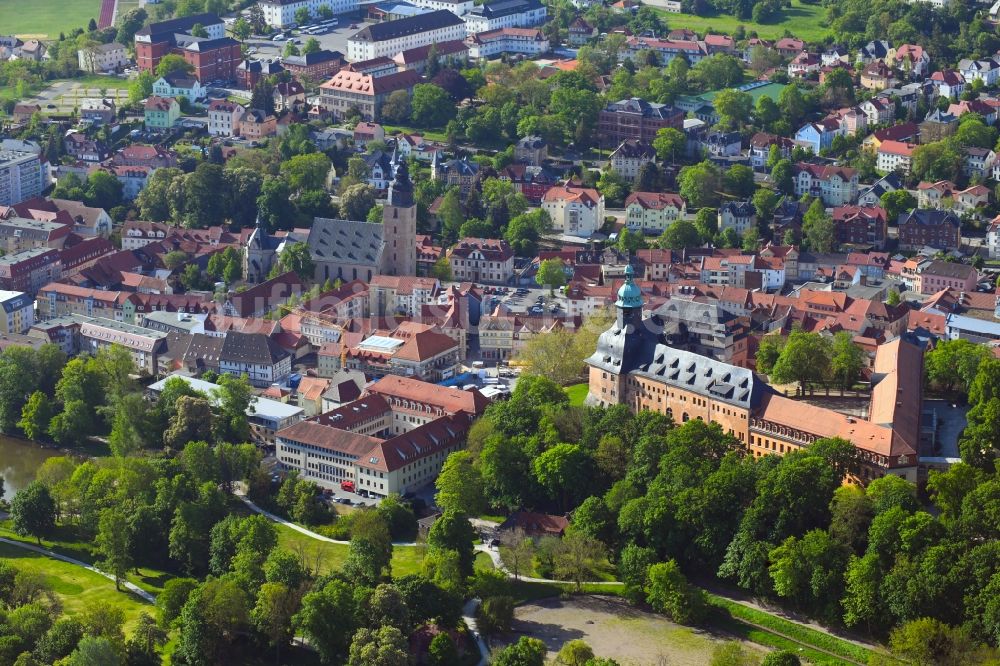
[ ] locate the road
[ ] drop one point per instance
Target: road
(131, 587)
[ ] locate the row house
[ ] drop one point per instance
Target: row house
(862, 226)
(29, 270)
(834, 185)
(934, 276)
(58, 300)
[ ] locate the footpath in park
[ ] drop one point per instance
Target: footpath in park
(131, 587)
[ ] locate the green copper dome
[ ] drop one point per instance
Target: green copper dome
(629, 296)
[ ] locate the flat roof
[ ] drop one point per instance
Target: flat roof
(258, 407)
(381, 343)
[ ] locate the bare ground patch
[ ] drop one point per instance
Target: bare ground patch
(615, 629)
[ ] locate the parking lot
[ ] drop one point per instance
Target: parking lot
(334, 40)
(524, 300)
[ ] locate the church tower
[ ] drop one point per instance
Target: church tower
(620, 348)
(399, 219)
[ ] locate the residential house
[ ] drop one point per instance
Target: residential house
(179, 85)
(575, 211)
(531, 150)
(872, 195)
(289, 96)
(630, 156)
(101, 58)
(946, 195)
(17, 312)
(161, 112)
(723, 144)
(740, 216)
(978, 162)
(948, 83)
(510, 41)
(97, 111)
(987, 71)
(257, 124)
(937, 125)
(836, 186)
(894, 156)
(940, 229)
(818, 135)
(531, 181)
(878, 49)
(903, 132)
(481, 260)
(789, 47)
(877, 76)
(365, 133)
(878, 110)
(224, 117)
(23, 112)
(935, 276)
(652, 212)
(760, 148)
(256, 355)
(911, 59)
(804, 64)
(864, 226)
(580, 31)
(460, 172)
(84, 148)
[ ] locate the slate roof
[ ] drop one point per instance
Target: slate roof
(255, 348)
(347, 241)
(411, 25)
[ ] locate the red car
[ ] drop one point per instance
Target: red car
(347, 485)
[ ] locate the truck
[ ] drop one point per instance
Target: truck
(347, 485)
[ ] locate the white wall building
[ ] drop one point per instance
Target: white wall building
(456, 7)
(505, 14)
(391, 37)
(21, 176)
(102, 58)
(281, 13)
(526, 41)
(224, 117)
(575, 211)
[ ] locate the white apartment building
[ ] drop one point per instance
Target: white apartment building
(526, 41)
(281, 13)
(102, 58)
(391, 37)
(652, 212)
(505, 14)
(456, 7)
(894, 156)
(575, 211)
(224, 117)
(21, 176)
(481, 260)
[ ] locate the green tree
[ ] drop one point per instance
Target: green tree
(818, 229)
(575, 653)
(804, 358)
(764, 202)
(551, 274)
(442, 651)
(453, 532)
(896, 203)
(171, 63)
(328, 618)
(112, 544)
(846, 359)
(563, 471)
(273, 612)
(525, 652)
(242, 29)
(33, 512)
(171, 600)
(679, 235)
(809, 572)
(306, 172)
(384, 646)
(669, 143)
(929, 642)
(734, 108)
(215, 613)
(430, 106)
(700, 184)
(146, 639)
(782, 657)
(577, 557)
(370, 551)
(36, 415)
(356, 201)
(94, 651)
(296, 258)
(782, 177)
(460, 485)
(668, 592)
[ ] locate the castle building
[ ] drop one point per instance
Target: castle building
(635, 364)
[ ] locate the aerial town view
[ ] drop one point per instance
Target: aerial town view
(511, 332)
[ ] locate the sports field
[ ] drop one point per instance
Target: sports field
(804, 21)
(46, 18)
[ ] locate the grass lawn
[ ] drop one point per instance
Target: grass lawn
(433, 135)
(47, 18)
(483, 562)
(321, 556)
(577, 393)
(804, 21)
(66, 542)
(76, 587)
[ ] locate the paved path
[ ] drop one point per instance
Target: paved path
(303, 530)
(131, 587)
(469, 616)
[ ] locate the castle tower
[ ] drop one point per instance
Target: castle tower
(629, 303)
(399, 219)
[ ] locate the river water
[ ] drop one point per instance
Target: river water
(19, 460)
